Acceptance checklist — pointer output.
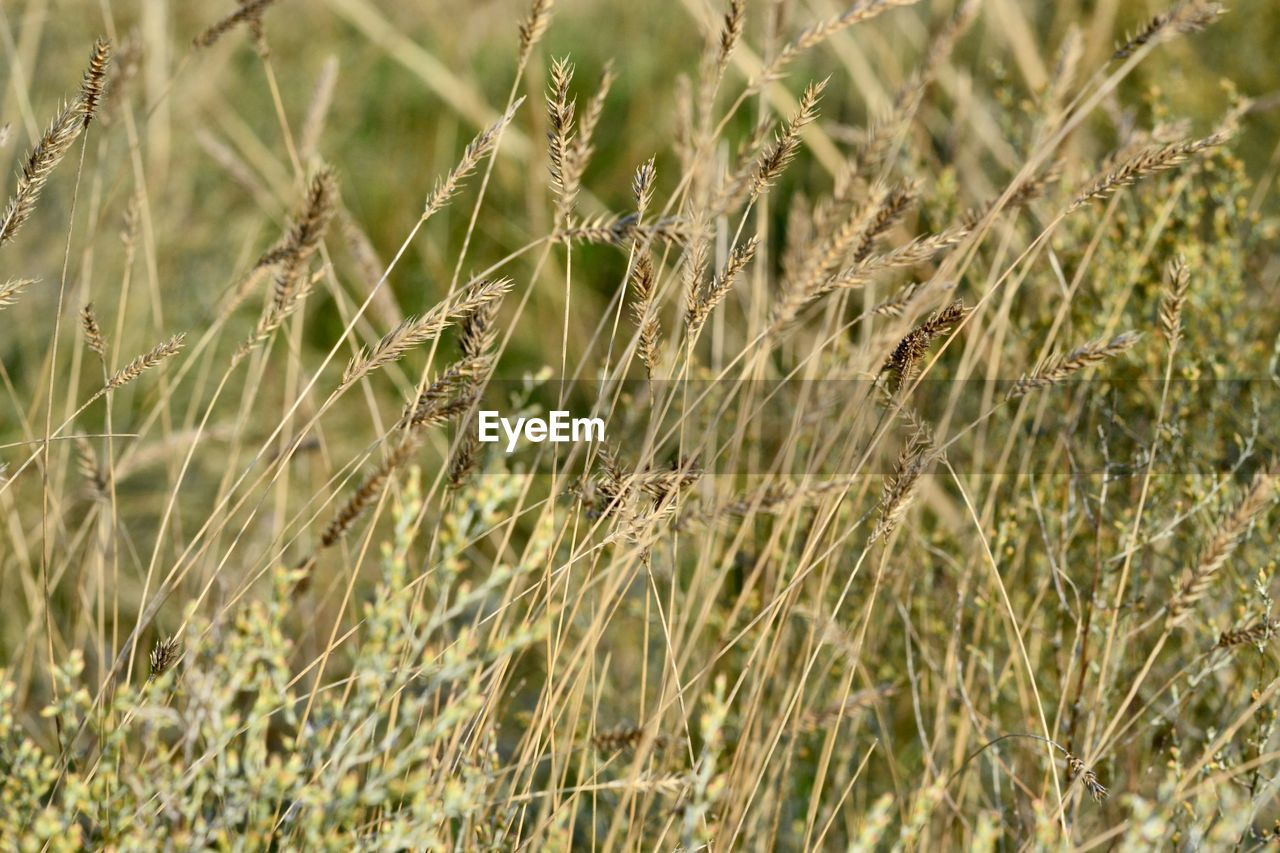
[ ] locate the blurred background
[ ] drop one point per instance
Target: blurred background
(413, 82)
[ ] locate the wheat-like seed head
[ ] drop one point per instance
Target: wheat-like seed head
(449, 394)
(643, 311)
(418, 330)
(642, 185)
(720, 286)
(1253, 635)
(1060, 367)
(304, 236)
(143, 363)
(560, 119)
(369, 491)
(894, 207)
(249, 14)
(1076, 769)
(580, 148)
(625, 737)
(92, 332)
(1226, 538)
(475, 152)
(165, 656)
(464, 459)
(48, 152)
(1174, 297)
(904, 362)
(775, 158)
(1148, 161)
(613, 230)
(12, 289)
(91, 472)
(95, 79)
(532, 28)
(900, 489)
(857, 13)
(730, 33)
(1189, 16)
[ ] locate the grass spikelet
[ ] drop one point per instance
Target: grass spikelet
(643, 311)
(894, 207)
(532, 28)
(642, 186)
(12, 289)
(775, 158)
(95, 79)
(368, 492)
(730, 34)
(291, 255)
(1175, 296)
(721, 285)
(464, 460)
(896, 304)
(890, 130)
(92, 332)
(1026, 193)
(856, 14)
(909, 254)
(249, 14)
(1254, 635)
(141, 364)
(451, 393)
(1060, 367)
(614, 230)
(40, 163)
(1226, 537)
(830, 245)
(625, 737)
(418, 330)
(693, 272)
(1149, 161)
(560, 118)
(900, 489)
(904, 362)
(304, 235)
(477, 334)
(1076, 769)
(164, 656)
(1186, 17)
(479, 148)
(579, 153)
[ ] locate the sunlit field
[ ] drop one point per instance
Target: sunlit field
(749, 424)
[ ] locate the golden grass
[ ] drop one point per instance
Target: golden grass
(876, 553)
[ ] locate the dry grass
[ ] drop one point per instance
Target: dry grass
(877, 554)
